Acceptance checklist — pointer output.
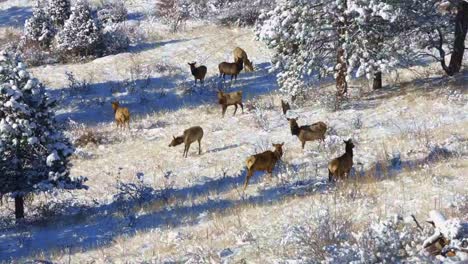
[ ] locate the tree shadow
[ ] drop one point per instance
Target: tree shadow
(223, 148)
(14, 16)
(98, 227)
(143, 46)
(168, 93)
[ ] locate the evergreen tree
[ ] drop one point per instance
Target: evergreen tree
(80, 34)
(34, 153)
(316, 38)
(39, 28)
(59, 11)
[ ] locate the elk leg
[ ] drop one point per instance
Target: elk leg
(188, 148)
(330, 176)
(224, 109)
(235, 110)
(303, 144)
(242, 107)
(199, 147)
(247, 178)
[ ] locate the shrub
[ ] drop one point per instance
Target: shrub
(112, 12)
(173, 12)
(114, 39)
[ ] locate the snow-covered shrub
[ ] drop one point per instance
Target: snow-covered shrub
(241, 12)
(112, 12)
(59, 11)
(38, 29)
(75, 86)
(173, 12)
(34, 153)
(114, 39)
(80, 34)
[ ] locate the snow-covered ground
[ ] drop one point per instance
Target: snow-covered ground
(146, 202)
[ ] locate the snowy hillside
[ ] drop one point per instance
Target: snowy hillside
(148, 204)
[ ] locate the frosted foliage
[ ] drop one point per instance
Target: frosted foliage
(39, 28)
(80, 34)
(307, 35)
(59, 11)
(33, 151)
(112, 12)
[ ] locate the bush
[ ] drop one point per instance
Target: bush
(173, 12)
(115, 39)
(112, 12)
(59, 11)
(242, 12)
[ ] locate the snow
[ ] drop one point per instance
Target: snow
(147, 203)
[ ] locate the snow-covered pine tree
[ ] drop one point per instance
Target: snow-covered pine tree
(34, 152)
(434, 25)
(80, 34)
(39, 29)
(59, 11)
(315, 38)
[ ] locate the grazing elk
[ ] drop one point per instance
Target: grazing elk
(227, 99)
(285, 106)
(316, 131)
(341, 166)
(240, 54)
(122, 115)
(198, 72)
(264, 161)
(190, 135)
(230, 68)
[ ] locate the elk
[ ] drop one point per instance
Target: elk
(240, 54)
(285, 106)
(190, 135)
(122, 115)
(230, 68)
(227, 99)
(264, 161)
(341, 166)
(316, 131)
(198, 72)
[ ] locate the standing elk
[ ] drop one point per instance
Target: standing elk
(240, 54)
(316, 131)
(341, 166)
(122, 115)
(264, 161)
(198, 72)
(190, 135)
(227, 99)
(230, 68)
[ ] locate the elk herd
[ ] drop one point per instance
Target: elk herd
(338, 168)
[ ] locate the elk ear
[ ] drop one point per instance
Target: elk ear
(282, 144)
(173, 136)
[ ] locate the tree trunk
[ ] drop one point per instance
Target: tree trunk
(19, 207)
(461, 28)
(341, 83)
(377, 83)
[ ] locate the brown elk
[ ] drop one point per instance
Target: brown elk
(316, 131)
(198, 72)
(264, 161)
(242, 55)
(190, 135)
(122, 115)
(341, 166)
(230, 68)
(285, 106)
(227, 99)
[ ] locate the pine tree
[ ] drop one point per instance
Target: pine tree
(80, 34)
(39, 28)
(34, 153)
(59, 11)
(316, 38)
